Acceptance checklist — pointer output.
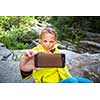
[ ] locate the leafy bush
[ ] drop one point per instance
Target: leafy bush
(73, 28)
(15, 31)
(20, 46)
(6, 41)
(27, 37)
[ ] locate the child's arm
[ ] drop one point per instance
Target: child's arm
(27, 63)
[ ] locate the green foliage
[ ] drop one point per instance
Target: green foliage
(42, 18)
(73, 28)
(21, 46)
(6, 41)
(15, 31)
(6, 22)
(27, 37)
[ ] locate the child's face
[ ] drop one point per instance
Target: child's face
(48, 41)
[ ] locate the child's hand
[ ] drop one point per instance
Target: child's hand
(27, 61)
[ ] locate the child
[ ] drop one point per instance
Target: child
(47, 44)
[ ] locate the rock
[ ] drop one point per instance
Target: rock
(69, 45)
(4, 52)
(89, 46)
(35, 42)
(92, 37)
(9, 73)
(84, 65)
(90, 43)
(79, 64)
(2, 45)
(9, 66)
(60, 46)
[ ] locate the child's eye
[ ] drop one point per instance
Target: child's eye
(51, 41)
(45, 41)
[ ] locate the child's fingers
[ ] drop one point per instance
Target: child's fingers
(27, 54)
(35, 52)
(30, 53)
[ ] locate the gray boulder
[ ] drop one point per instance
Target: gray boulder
(10, 73)
(9, 66)
(4, 52)
(84, 65)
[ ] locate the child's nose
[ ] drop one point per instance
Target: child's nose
(48, 43)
